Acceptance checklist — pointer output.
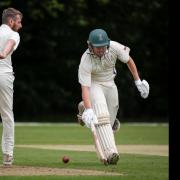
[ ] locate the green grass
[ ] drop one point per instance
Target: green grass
(75, 134)
(134, 167)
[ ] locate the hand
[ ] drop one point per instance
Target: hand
(143, 87)
(1, 56)
(89, 117)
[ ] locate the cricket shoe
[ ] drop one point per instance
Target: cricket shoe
(81, 109)
(113, 158)
(7, 160)
(116, 125)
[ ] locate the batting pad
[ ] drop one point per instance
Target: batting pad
(106, 138)
(102, 113)
(104, 130)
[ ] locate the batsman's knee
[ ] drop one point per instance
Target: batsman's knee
(102, 113)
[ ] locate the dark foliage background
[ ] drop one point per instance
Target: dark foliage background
(53, 38)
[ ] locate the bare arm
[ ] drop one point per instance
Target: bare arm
(8, 48)
(133, 69)
(86, 97)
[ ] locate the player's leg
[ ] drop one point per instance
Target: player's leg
(81, 109)
(103, 128)
(6, 111)
(116, 126)
(111, 94)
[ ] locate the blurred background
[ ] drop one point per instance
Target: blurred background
(53, 39)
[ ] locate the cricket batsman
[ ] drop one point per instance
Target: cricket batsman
(100, 104)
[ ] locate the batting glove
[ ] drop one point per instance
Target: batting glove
(88, 117)
(143, 87)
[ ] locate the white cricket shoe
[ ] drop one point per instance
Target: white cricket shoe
(7, 160)
(113, 158)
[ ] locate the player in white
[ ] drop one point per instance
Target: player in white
(99, 92)
(9, 40)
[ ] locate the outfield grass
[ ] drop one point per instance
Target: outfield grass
(134, 167)
(75, 134)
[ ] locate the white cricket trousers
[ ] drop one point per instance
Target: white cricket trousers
(6, 112)
(108, 95)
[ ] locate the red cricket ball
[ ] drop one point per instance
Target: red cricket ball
(65, 159)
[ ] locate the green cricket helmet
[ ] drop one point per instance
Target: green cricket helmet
(98, 38)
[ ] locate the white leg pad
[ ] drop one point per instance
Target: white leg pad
(106, 139)
(105, 133)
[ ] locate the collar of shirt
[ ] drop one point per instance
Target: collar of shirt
(6, 26)
(91, 53)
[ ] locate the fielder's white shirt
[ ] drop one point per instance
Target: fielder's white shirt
(7, 33)
(94, 69)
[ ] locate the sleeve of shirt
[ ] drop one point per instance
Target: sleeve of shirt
(15, 36)
(122, 52)
(84, 71)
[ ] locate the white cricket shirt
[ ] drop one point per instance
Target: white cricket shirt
(102, 71)
(7, 33)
